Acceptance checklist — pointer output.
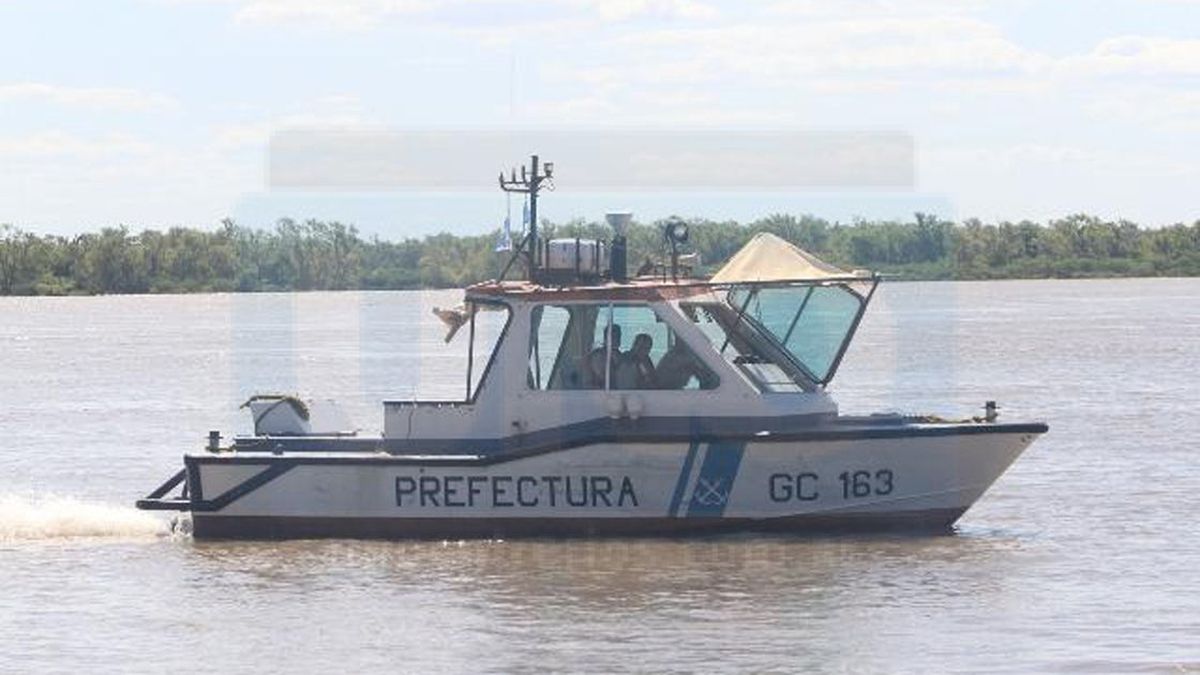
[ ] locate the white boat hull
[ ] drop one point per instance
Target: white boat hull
(924, 481)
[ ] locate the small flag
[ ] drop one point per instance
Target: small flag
(504, 242)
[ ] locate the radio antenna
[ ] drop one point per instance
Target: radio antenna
(529, 182)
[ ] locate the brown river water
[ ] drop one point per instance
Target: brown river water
(1084, 557)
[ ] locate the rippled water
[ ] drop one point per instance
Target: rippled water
(1085, 556)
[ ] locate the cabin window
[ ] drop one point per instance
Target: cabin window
(546, 339)
(561, 345)
(569, 349)
(647, 354)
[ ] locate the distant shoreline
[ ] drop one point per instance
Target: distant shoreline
(888, 280)
(317, 255)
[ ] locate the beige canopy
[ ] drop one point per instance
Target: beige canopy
(767, 257)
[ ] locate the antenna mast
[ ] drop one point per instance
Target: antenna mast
(532, 179)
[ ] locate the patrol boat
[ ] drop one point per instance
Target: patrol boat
(610, 404)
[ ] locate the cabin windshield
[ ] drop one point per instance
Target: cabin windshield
(811, 324)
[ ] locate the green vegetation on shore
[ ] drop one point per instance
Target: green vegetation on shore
(315, 255)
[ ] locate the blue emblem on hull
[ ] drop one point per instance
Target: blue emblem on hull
(713, 483)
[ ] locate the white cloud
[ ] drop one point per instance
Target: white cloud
(1149, 107)
(876, 8)
(522, 16)
(899, 45)
(343, 14)
(624, 10)
(102, 98)
(329, 112)
(242, 135)
(776, 69)
(1046, 180)
(71, 182)
(1138, 55)
(799, 51)
(64, 145)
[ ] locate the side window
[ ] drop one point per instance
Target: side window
(563, 350)
(569, 349)
(647, 354)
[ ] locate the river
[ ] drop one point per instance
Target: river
(1085, 556)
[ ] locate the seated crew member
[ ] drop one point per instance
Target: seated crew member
(593, 363)
(635, 370)
(678, 366)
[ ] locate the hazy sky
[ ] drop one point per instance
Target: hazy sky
(158, 112)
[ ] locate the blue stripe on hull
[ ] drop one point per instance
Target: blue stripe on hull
(682, 483)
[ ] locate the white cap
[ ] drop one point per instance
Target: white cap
(619, 221)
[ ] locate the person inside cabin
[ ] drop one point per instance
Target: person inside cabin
(677, 368)
(635, 370)
(594, 362)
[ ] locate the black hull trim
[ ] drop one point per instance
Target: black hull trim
(271, 527)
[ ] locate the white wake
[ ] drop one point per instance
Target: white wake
(55, 517)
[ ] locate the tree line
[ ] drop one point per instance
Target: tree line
(318, 255)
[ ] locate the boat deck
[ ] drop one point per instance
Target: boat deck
(606, 430)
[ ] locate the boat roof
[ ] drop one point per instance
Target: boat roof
(644, 289)
(766, 260)
(641, 288)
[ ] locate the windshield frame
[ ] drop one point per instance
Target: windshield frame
(473, 395)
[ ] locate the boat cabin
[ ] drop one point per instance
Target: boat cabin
(643, 351)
